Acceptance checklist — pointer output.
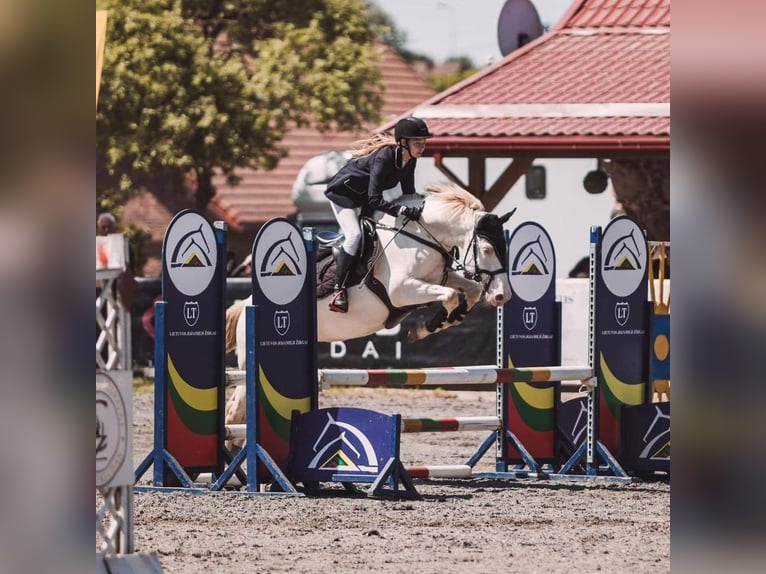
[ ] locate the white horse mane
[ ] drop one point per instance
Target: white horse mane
(453, 203)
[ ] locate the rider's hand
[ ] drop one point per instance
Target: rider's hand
(411, 213)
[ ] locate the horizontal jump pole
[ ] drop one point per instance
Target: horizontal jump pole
(439, 376)
(450, 424)
(440, 471)
(450, 376)
(412, 425)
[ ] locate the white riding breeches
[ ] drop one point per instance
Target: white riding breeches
(348, 220)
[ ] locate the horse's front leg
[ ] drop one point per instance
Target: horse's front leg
(418, 292)
(469, 294)
(472, 289)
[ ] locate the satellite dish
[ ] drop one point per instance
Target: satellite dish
(519, 23)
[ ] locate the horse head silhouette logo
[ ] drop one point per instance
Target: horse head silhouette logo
(341, 445)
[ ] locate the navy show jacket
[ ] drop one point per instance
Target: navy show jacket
(361, 182)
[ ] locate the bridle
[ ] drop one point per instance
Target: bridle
(480, 271)
(489, 227)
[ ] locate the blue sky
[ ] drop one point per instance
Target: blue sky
(473, 23)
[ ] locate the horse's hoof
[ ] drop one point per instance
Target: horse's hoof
(274, 486)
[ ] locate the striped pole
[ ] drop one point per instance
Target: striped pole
(413, 425)
(440, 471)
(450, 424)
(450, 376)
(440, 376)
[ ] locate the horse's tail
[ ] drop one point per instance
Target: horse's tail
(232, 317)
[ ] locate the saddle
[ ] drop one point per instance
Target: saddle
(362, 269)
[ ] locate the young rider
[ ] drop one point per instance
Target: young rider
(357, 189)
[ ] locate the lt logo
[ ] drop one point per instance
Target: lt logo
(191, 312)
(282, 321)
(622, 312)
(529, 317)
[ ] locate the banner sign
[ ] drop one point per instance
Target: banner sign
(645, 432)
(622, 321)
(342, 440)
(193, 284)
(531, 338)
(285, 318)
(114, 428)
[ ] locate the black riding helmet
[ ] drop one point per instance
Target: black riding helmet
(411, 128)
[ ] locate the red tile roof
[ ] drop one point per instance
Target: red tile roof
(620, 13)
(599, 80)
(261, 195)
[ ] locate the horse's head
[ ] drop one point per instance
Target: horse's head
(491, 256)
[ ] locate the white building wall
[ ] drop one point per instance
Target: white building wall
(566, 212)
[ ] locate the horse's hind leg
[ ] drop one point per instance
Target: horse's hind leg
(235, 414)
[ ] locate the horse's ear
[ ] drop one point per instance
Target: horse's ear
(507, 216)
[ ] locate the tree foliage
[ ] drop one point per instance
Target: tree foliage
(386, 30)
(457, 70)
(212, 85)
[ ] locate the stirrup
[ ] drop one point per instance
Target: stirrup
(339, 302)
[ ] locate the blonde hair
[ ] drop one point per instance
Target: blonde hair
(363, 148)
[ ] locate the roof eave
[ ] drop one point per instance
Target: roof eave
(581, 143)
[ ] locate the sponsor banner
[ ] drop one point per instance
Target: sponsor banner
(622, 322)
(193, 276)
(571, 425)
(660, 355)
(645, 431)
(342, 440)
(531, 338)
(114, 429)
(285, 354)
(473, 342)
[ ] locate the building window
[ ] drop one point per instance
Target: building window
(535, 182)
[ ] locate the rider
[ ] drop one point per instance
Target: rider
(358, 187)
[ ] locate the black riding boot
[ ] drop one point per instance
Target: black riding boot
(343, 260)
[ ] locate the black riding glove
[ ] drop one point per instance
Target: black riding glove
(411, 213)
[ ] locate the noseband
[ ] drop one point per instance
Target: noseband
(489, 228)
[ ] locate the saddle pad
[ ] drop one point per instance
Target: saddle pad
(326, 276)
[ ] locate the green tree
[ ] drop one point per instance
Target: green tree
(385, 30)
(199, 86)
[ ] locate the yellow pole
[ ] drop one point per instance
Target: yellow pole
(100, 43)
